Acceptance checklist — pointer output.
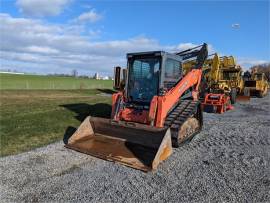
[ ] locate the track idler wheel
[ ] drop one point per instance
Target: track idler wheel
(191, 126)
(186, 132)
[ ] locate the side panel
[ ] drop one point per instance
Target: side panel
(115, 98)
(153, 109)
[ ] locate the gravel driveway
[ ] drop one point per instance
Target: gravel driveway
(228, 161)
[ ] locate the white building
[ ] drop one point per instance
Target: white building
(96, 76)
(105, 78)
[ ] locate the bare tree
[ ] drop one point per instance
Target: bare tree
(262, 68)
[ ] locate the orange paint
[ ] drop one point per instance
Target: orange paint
(115, 96)
(153, 109)
(220, 101)
(133, 115)
(160, 105)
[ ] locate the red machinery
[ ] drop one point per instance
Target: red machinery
(216, 103)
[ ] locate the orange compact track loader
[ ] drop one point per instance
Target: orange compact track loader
(157, 109)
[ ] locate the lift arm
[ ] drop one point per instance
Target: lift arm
(166, 103)
(200, 54)
(193, 79)
(214, 73)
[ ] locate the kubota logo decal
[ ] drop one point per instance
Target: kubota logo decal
(183, 86)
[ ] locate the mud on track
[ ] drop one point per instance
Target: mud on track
(228, 161)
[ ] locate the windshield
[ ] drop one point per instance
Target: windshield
(258, 77)
(229, 75)
(143, 79)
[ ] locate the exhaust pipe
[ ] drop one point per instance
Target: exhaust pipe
(134, 145)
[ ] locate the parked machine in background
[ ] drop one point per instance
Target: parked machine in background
(222, 90)
(158, 108)
(224, 81)
(256, 85)
(230, 78)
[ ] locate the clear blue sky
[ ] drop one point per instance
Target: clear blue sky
(166, 23)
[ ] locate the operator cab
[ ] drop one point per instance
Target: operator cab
(230, 74)
(150, 74)
(258, 76)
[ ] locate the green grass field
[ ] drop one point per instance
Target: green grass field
(33, 118)
(11, 81)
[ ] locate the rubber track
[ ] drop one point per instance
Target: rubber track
(184, 110)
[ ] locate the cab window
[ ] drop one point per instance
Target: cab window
(172, 72)
(172, 69)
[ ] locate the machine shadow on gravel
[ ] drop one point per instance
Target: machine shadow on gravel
(83, 110)
(106, 91)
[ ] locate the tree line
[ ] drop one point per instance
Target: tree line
(262, 68)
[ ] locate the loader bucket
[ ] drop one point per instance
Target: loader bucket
(242, 99)
(139, 146)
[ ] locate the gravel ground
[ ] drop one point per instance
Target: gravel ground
(229, 161)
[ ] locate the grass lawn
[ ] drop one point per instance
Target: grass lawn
(11, 81)
(33, 118)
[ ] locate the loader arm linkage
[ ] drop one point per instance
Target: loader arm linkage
(167, 102)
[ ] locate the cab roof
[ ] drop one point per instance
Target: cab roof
(154, 54)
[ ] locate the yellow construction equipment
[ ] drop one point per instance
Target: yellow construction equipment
(224, 80)
(157, 109)
(222, 73)
(230, 78)
(211, 69)
(256, 85)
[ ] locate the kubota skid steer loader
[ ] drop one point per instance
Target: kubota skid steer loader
(150, 115)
